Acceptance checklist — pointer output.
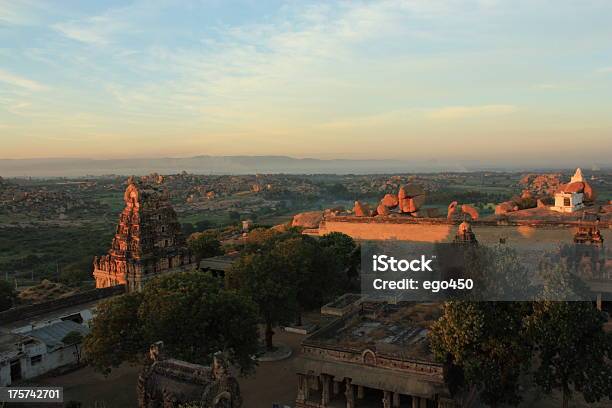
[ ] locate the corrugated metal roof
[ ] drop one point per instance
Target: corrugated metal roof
(53, 334)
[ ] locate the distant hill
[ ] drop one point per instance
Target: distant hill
(69, 167)
(55, 167)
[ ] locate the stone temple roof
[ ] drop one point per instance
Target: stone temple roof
(399, 330)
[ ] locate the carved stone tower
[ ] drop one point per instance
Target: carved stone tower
(147, 242)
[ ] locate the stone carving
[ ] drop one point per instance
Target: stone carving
(147, 240)
(169, 383)
(465, 234)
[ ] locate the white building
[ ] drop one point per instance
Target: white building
(570, 197)
(30, 354)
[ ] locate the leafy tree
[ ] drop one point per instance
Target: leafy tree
(7, 295)
(205, 245)
(483, 347)
(195, 317)
(116, 334)
(344, 249)
(264, 278)
(319, 273)
(573, 349)
(287, 272)
(190, 312)
(74, 338)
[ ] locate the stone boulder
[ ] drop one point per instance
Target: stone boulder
(310, 219)
(361, 210)
(390, 201)
(506, 207)
(452, 207)
(382, 210)
(589, 193)
(471, 211)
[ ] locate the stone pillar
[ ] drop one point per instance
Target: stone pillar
(415, 402)
(360, 392)
(396, 400)
(301, 392)
(386, 399)
(423, 402)
(350, 397)
(324, 390)
(306, 387)
(336, 387)
(315, 383)
(599, 301)
(446, 403)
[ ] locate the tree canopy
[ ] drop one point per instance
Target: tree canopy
(204, 245)
(573, 349)
(483, 345)
(286, 273)
(190, 312)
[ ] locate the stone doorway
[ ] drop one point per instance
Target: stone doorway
(15, 370)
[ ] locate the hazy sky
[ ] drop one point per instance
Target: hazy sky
(490, 80)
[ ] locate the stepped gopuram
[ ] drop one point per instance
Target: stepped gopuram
(147, 242)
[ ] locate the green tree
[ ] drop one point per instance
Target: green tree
(573, 350)
(116, 333)
(195, 317)
(319, 274)
(7, 295)
(74, 338)
(483, 347)
(344, 250)
(265, 279)
(205, 245)
(190, 312)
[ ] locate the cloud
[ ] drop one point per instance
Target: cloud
(21, 82)
(462, 112)
(104, 28)
(605, 70)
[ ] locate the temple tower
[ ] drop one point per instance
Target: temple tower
(148, 241)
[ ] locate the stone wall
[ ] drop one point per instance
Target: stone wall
(440, 230)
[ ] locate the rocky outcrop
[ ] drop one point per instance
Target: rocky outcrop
(310, 219)
(361, 210)
(506, 207)
(469, 210)
(390, 201)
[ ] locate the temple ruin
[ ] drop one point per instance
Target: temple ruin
(373, 355)
(170, 383)
(148, 241)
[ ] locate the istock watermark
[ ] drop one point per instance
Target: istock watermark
(400, 270)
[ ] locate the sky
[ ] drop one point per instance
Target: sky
(496, 81)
